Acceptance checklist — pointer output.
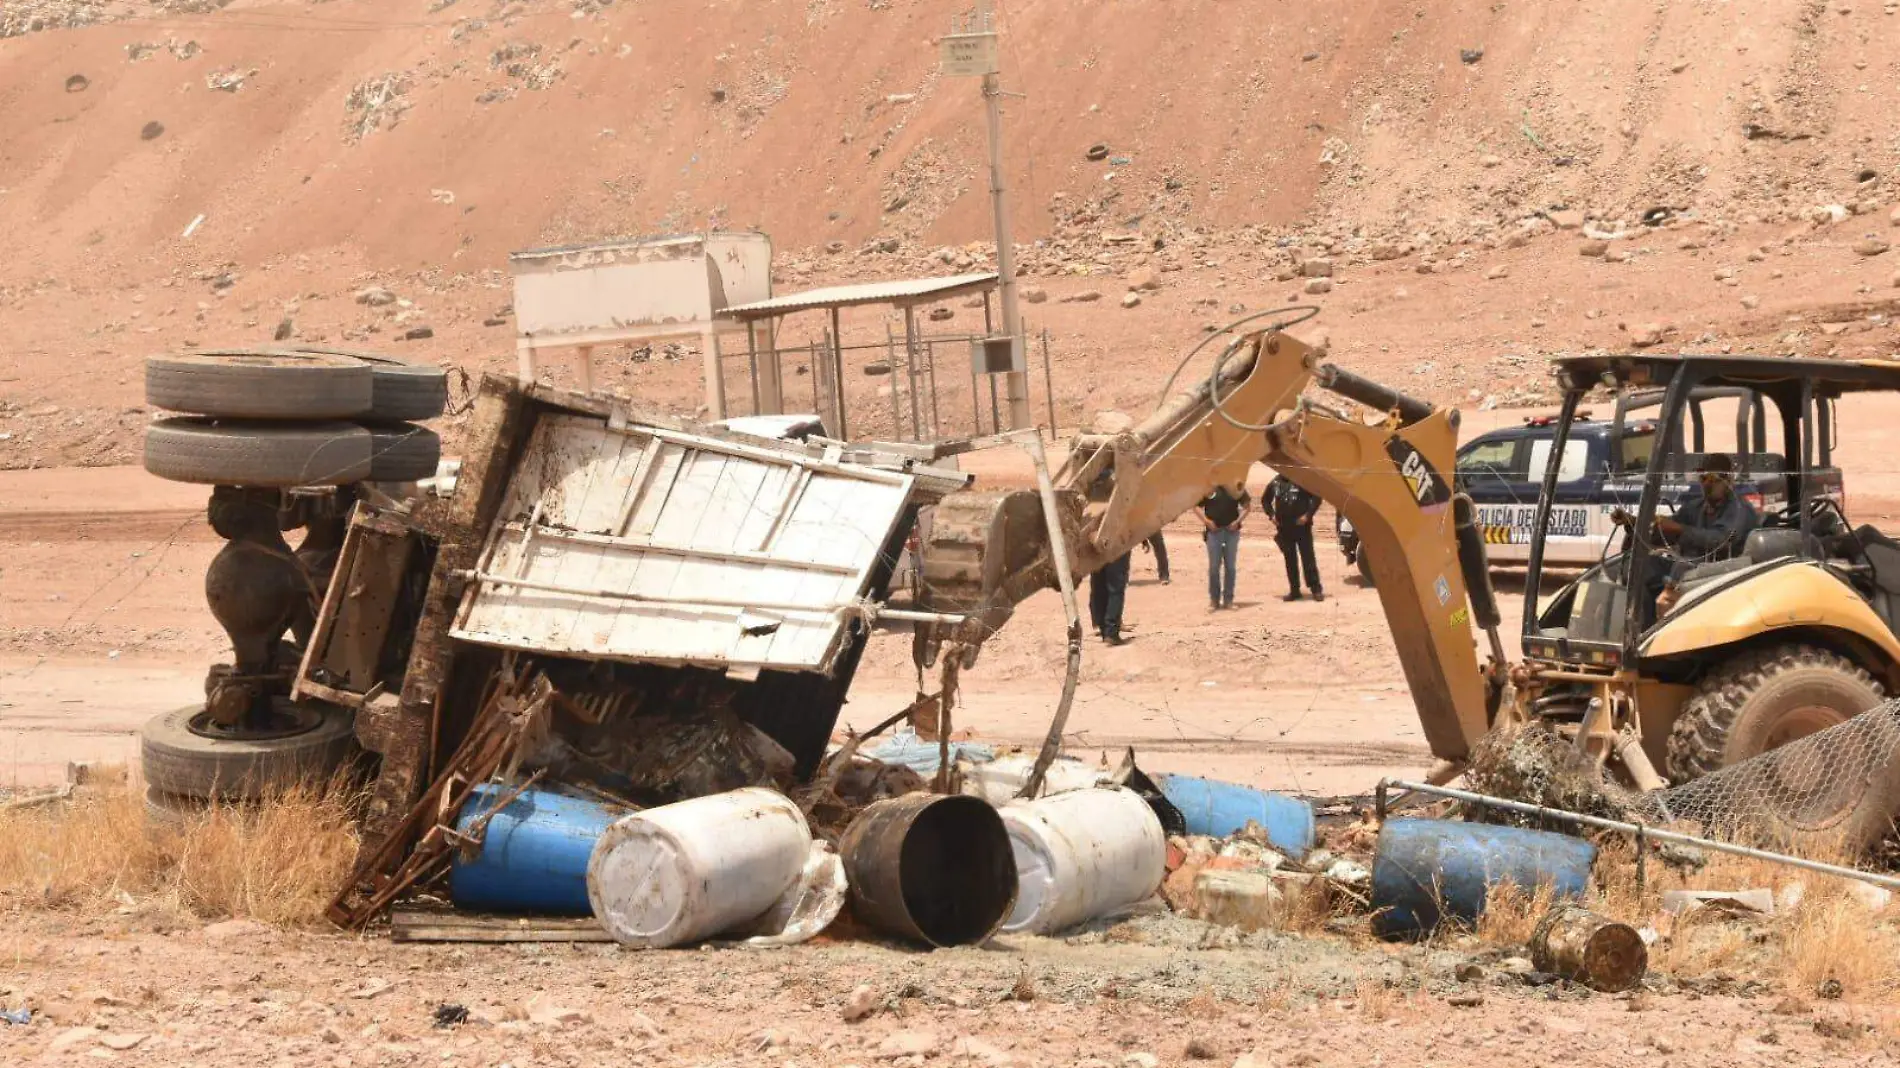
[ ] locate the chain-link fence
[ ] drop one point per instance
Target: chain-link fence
(1832, 793)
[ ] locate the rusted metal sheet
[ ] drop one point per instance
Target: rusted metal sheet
(346, 652)
(399, 731)
(933, 869)
(1596, 951)
(648, 545)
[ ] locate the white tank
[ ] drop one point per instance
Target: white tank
(1082, 854)
(688, 871)
(999, 781)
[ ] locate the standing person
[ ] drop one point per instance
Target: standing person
(1222, 513)
(1159, 548)
(1293, 510)
(1108, 588)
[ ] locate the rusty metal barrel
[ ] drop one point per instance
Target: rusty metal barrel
(932, 869)
(1594, 950)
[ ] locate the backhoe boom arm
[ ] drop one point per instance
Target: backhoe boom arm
(989, 551)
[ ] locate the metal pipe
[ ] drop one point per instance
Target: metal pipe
(1016, 381)
(1642, 830)
(910, 363)
(1065, 581)
(646, 545)
(976, 403)
(752, 361)
(1373, 394)
(765, 455)
(1048, 383)
(837, 375)
(930, 369)
(773, 607)
(811, 361)
(897, 413)
(1630, 749)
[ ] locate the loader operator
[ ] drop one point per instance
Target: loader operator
(1711, 523)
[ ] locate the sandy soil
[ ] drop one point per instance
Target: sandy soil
(1174, 990)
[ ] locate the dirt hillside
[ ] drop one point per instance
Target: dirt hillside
(188, 172)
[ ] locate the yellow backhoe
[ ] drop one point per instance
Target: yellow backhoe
(1790, 634)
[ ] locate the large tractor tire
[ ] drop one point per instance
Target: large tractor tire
(1764, 699)
(181, 762)
(232, 453)
(267, 384)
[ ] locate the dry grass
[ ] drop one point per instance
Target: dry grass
(1828, 934)
(1511, 913)
(277, 863)
(1378, 1001)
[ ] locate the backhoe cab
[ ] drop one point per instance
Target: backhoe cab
(1673, 656)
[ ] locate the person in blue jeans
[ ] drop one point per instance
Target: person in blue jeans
(1223, 512)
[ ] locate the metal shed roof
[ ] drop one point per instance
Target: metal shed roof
(902, 293)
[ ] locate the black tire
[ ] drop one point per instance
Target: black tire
(170, 813)
(1365, 568)
(238, 453)
(401, 391)
(261, 384)
(1763, 699)
(187, 765)
(403, 452)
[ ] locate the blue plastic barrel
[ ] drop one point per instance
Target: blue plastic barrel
(534, 856)
(1219, 809)
(1428, 871)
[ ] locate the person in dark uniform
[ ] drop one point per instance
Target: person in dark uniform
(1222, 513)
(1108, 588)
(1293, 510)
(1159, 548)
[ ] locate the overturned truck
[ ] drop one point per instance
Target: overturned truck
(690, 603)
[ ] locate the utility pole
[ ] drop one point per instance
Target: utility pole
(973, 50)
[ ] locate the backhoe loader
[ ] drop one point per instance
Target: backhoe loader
(1790, 635)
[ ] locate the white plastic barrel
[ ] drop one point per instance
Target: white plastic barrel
(999, 781)
(1082, 854)
(685, 872)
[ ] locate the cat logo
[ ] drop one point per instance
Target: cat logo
(1429, 489)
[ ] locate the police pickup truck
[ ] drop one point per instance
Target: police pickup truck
(1602, 468)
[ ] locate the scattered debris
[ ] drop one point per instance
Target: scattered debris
(1582, 946)
(449, 1015)
(1730, 903)
(229, 79)
(78, 83)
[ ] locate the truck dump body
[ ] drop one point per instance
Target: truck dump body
(645, 545)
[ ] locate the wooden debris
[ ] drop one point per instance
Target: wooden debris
(444, 925)
(515, 713)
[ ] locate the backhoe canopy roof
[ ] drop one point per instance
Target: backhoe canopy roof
(1830, 377)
